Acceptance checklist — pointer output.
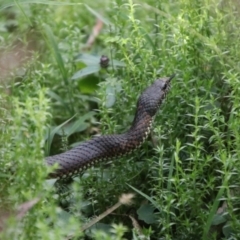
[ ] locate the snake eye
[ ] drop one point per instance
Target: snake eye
(165, 86)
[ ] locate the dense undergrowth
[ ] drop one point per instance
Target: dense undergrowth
(186, 177)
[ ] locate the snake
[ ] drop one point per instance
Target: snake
(107, 147)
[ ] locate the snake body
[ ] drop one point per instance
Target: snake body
(110, 146)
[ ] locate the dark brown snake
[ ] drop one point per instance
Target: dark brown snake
(108, 147)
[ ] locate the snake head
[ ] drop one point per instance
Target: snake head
(164, 84)
(153, 96)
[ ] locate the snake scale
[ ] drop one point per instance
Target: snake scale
(108, 147)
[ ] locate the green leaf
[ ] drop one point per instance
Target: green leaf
(64, 217)
(98, 16)
(89, 85)
(77, 126)
(51, 134)
(110, 96)
(218, 219)
(51, 182)
(154, 203)
(53, 44)
(117, 63)
(213, 209)
(56, 97)
(227, 229)
(88, 59)
(146, 213)
(74, 127)
(86, 71)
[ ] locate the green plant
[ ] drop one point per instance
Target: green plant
(186, 177)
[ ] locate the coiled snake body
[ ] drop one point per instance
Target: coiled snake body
(110, 146)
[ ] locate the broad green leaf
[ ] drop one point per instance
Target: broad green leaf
(86, 71)
(89, 85)
(146, 213)
(218, 219)
(73, 127)
(88, 59)
(77, 126)
(227, 229)
(64, 216)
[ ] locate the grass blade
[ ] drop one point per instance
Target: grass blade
(154, 203)
(53, 45)
(52, 133)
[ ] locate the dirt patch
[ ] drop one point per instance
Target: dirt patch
(11, 60)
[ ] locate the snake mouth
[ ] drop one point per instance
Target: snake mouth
(167, 83)
(170, 78)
